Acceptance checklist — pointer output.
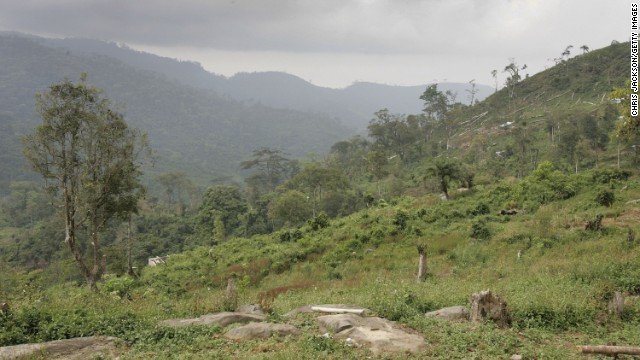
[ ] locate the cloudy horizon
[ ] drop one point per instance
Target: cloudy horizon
(335, 43)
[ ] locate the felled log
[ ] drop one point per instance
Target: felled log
(609, 350)
(326, 309)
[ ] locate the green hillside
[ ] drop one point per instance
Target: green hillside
(542, 211)
(563, 104)
(191, 130)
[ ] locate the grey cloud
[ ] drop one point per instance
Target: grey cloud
(279, 25)
(326, 26)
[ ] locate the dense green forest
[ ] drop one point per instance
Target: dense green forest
(531, 192)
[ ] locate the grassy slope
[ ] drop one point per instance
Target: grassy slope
(556, 292)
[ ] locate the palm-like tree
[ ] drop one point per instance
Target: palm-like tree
(444, 170)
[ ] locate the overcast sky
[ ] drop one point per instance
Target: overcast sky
(336, 42)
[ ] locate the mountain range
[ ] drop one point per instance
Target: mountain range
(353, 105)
(198, 122)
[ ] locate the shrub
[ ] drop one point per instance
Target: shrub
(557, 318)
(607, 176)
(319, 222)
(626, 277)
(480, 230)
(400, 220)
(545, 185)
(480, 209)
(291, 235)
(605, 198)
(119, 286)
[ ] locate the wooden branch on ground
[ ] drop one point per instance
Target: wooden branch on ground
(338, 310)
(609, 350)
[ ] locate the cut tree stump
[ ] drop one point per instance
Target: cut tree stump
(484, 305)
(616, 304)
(231, 297)
(422, 263)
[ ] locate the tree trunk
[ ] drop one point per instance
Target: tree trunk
(422, 264)
(129, 260)
(70, 236)
(99, 261)
(609, 350)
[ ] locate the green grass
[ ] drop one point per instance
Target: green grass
(557, 291)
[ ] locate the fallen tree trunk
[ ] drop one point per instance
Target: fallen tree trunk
(325, 309)
(609, 350)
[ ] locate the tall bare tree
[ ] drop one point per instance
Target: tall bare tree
(88, 156)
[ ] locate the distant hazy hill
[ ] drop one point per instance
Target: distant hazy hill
(192, 129)
(354, 105)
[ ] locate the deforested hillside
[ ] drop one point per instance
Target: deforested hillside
(546, 115)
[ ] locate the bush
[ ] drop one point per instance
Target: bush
(480, 230)
(119, 286)
(605, 198)
(626, 277)
(607, 176)
(480, 209)
(545, 185)
(544, 316)
(319, 222)
(290, 235)
(34, 324)
(400, 220)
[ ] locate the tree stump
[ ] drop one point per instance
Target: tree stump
(616, 304)
(484, 305)
(231, 298)
(422, 265)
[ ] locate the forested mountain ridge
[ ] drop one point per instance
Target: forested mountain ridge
(353, 105)
(192, 130)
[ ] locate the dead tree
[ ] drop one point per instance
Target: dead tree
(484, 305)
(422, 264)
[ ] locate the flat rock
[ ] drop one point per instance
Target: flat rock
(327, 308)
(90, 347)
(450, 313)
(260, 331)
(377, 334)
(221, 319)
